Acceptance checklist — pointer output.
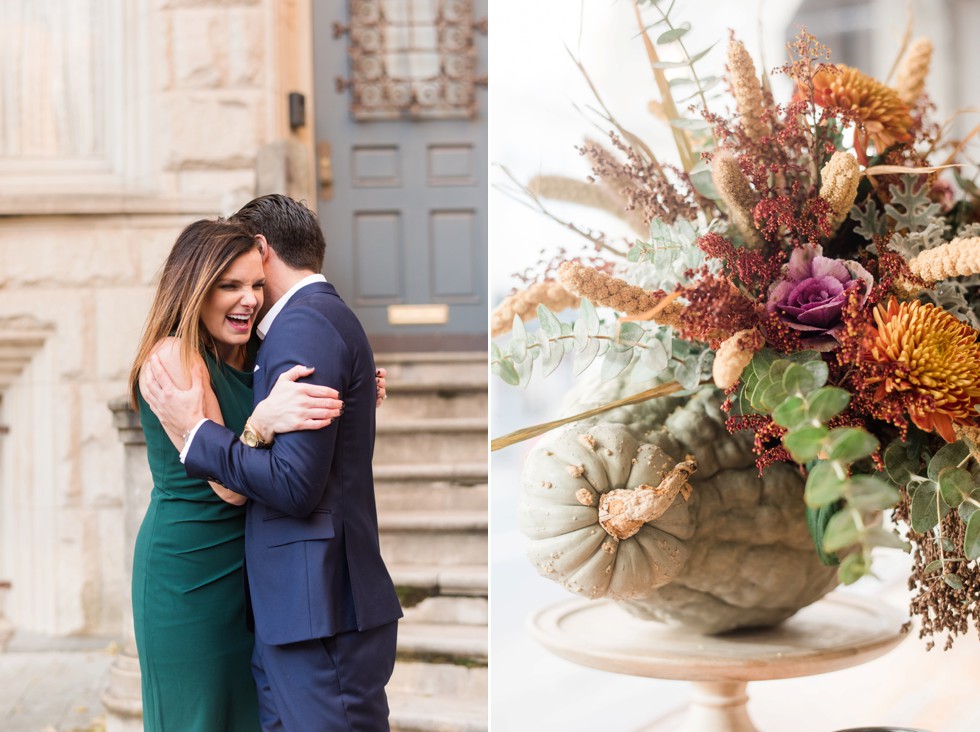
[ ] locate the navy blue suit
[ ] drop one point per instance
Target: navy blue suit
(316, 581)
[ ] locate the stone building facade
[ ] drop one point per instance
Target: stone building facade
(121, 122)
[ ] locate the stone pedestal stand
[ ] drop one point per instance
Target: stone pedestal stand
(122, 697)
(837, 632)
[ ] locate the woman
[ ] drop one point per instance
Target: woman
(188, 596)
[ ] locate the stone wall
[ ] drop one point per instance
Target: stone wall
(78, 263)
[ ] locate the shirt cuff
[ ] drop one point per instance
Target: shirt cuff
(190, 438)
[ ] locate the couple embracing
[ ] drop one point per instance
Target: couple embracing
(259, 448)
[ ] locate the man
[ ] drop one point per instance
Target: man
(324, 606)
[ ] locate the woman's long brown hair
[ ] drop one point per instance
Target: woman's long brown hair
(202, 252)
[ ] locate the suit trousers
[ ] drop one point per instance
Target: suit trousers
(334, 684)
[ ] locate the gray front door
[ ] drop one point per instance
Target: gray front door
(401, 134)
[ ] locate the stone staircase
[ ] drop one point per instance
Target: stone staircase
(430, 474)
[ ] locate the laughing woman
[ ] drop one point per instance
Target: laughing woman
(188, 596)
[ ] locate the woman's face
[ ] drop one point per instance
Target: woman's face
(232, 304)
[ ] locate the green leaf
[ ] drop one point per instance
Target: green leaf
(827, 402)
(549, 322)
(968, 508)
(506, 371)
(494, 351)
(551, 359)
(705, 185)
(701, 54)
(804, 444)
(791, 413)
(524, 370)
(630, 334)
(933, 566)
(773, 396)
(688, 373)
(869, 493)
(842, 532)
(953, 580)
(518, 343)
(877, 536)
(948, 456)
(849, 444)
(653, 360)
(899, 464)
(797, 380)
(590, 317)
(673, 34)
(585, 357)
(853, 568)
(615, 361)
(925, 509)
(971, 542)
(823, 485)
(954, 485)
(819, 371)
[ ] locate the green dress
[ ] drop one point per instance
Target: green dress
(188, 595)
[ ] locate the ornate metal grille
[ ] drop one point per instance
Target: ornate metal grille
(410, 58)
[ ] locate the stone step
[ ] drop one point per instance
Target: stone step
(434, 399)
(459, 366)
(440, 594)
(448, 538)
(438, 487)
(440, 643)
(431, 441)
(415, 713)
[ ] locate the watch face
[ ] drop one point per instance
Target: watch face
(250, 439)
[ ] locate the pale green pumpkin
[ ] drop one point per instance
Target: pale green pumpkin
(736, 554)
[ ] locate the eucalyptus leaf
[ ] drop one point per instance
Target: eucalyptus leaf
(518, 343)
(688, 373)
(849, 444)
(548, 322)
(550, 360)
(823, 485)
(653, 360)
(827, 402)
(585, 357)
(899, 464)
(924, 513)
(791, 413)
(842, 532)
(693, 125)
(804, 444)
(543, 343)
(948, 456)
(630, 333)
(955, 484)
(953, 580)
(506, 371)
(877, 536)
(933, 566)
(870, 493)
(968, 508)
(590, 317)
(971, 542)
(854, 567)
(614, 362)
(673, 34)
(524, 370)
(705, 185)
(820, 372)
(797, 380)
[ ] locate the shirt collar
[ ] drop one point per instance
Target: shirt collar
(263, 327)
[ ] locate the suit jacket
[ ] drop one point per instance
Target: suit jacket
(312, 558)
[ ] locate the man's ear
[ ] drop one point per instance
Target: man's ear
(263, 247)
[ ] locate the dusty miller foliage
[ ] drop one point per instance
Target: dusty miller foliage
(919, 228)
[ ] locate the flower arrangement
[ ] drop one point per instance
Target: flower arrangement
(817, 260)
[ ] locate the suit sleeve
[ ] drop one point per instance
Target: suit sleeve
(291, 477)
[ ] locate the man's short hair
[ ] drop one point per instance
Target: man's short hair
(291, 229)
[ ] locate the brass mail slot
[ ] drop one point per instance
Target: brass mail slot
(418, 314)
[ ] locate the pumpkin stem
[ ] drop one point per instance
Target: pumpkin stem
(622, 512)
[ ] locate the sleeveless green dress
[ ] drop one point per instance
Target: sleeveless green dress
(188, 594)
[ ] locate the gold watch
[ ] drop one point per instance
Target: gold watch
(251, 437)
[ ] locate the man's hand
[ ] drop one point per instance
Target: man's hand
(379, 379)
(293, 406)
(177, 409)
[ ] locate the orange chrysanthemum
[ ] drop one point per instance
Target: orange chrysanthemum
(932, 355)
(877, 108)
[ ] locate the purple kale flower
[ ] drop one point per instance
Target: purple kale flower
(813, 291)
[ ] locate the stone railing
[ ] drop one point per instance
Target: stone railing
(123, 695)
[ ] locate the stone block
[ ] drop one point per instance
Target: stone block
(214, 130)
(237, 186)
(62, 253)
(120, 313)
(217, 47)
